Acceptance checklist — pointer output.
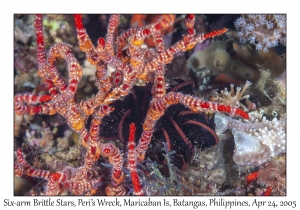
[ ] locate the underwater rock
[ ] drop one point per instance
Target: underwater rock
(218, 60)
(21, 186)
(257, 60)
(273, 90)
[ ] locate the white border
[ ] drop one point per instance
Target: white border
(8, 8)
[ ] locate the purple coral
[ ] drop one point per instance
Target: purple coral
(264, 31)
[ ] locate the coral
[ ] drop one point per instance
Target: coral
(215, 54)
(207, 169)
(271, 60)
(72, 154)
(231, 98)
(256, 141)
(275, 91)
(24, 52)
(177, 69)
(17, 124)
(45, 142)
(217, 60)
(273, 173)
(65, 142)
(158, 184)
(263, 31)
